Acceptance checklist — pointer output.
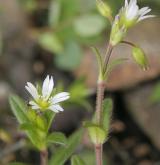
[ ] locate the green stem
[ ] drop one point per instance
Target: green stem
(44, 157)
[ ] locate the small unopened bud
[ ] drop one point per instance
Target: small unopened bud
(104, 8)
(140, 57)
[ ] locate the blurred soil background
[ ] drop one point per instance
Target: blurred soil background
(39, 37)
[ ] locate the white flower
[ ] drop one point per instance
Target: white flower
(44, 100)
(133, 14)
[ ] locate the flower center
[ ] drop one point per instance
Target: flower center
(44, 104)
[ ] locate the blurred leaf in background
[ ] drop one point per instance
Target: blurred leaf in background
(70, 58)
(71, 26)
(155, 96)
(78, 93)
(29, 5)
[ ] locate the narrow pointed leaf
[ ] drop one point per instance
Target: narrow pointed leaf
(57, 138)
(36, 136)
(107, 112)
(63, 153)
(18, 108)
(76, 160)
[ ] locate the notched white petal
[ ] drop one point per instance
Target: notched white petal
(47, 87)
(50, 87)
(60, 97)
(56, 108)
(32, 90)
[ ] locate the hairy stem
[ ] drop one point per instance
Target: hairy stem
(99, 104)
(99, 108)
(44, 157)
(99, 101)
(99, 152)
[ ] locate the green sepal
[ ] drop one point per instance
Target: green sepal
(76, 160)
(57, 138)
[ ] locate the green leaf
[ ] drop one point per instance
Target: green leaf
(18, 108)
(89, 25)
(50, 42)
(96, 133)
(107, 112)
(70, 58)
(36, 135)
(62, 154)
(100, 62)
(76, 160)
(57, 138)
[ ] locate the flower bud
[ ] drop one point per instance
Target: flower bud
(103, 8)
(140, 57)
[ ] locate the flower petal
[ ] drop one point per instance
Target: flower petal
(60, 97)
(51, 85)
(35, 107)
(144, 12)
(126, 3)
(56, 108)
(145, 17)
(47, 87)
(32, 90)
